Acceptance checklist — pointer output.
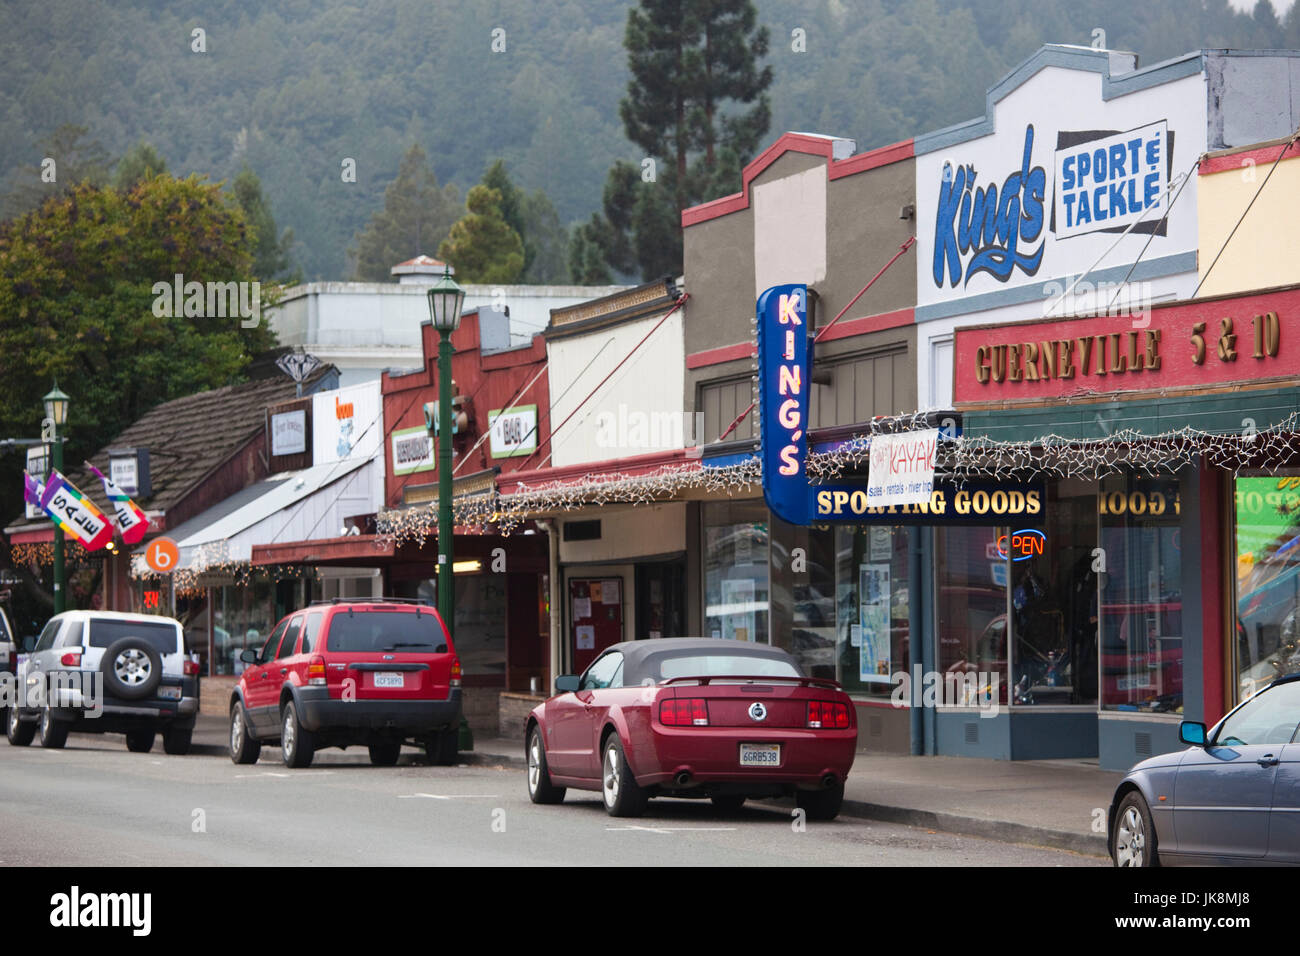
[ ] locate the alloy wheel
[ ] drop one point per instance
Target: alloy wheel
(132, 667)
(236, 731)
(611, 783)
(534, 764)
(286, 738)
(1130, 840)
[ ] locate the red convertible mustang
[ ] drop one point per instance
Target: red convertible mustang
(693, 717)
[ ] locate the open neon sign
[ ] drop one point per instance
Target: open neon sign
(1023, 544)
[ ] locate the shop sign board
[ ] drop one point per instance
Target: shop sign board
(902, 468)
(289, 432)
(1183, 346)
(412, 451)
(347, 423)
(513, 431)
(1060, 174)
(784, 357)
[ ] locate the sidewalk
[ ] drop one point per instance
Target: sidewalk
(1040, 802)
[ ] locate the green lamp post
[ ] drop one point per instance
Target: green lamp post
(56, 412)
(445, 300)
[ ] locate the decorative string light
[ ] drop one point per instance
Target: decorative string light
(967, 458)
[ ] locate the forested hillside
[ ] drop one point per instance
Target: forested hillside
(294, 88)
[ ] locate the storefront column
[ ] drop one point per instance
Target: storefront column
(1216, 573)
(917, 626)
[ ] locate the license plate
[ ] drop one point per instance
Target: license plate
(389, 679)
(169, 693)
(760, 755)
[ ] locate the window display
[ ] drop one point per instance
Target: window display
(1141, 596)
(971, 603)
(1268, 580)
(736, 571)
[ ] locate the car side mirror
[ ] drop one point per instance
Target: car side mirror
(566, 683)
(1192, 732)
(248, 655)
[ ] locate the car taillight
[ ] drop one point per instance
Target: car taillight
(455, 672)
(316, 671)
(684, 712)
(71, 659)
(828, 714)
(190, 669)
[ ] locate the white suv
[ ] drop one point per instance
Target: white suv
(105, 672)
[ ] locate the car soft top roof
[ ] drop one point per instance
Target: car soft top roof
(639, 657)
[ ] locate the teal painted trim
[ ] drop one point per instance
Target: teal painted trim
(1146, 270)
(1069, 58)
(1215, 413)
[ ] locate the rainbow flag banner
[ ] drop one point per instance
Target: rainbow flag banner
(75, 513)
(131, 520)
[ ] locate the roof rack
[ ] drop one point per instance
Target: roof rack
(374, 600)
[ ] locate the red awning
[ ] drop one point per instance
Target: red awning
(363, 550)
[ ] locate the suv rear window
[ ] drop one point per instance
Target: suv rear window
(384, 631)
(162, 636)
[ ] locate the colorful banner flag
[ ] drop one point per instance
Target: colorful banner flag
(130, 519)
(75, 513)
(33, 490)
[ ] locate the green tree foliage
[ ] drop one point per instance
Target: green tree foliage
(77, 303)
(537, 221)
(66, 158)
(697, 105)
(139, 162)
(416, 217)
(481, 246)
(295, 87)
(270, 251)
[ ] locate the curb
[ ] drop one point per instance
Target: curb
(1001, 830)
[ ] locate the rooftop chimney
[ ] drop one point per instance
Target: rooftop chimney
(422, 270)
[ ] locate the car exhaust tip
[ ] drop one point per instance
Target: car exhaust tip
(829, 781)
(683, 778)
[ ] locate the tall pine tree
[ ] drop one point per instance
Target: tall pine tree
(417, 215)
(693, 63)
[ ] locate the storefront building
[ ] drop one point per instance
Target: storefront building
(1100, 168)
(1154, 587)
(811, 211)
(325, 475)
(500, 416)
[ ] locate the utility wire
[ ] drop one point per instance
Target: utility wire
(1289, 143)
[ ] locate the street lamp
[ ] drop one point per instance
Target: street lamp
(56, 412)
(445, 300)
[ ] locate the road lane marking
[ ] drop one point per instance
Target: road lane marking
(272, 773)
(664, 829)
(451, 796)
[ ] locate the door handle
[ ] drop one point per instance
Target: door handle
(1268, 760)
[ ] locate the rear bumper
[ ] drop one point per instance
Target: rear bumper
(712, 755)
(321, 712)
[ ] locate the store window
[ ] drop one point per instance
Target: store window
(1267, 637)
(243, 616)
(480, 630)
(872, 607)
(1053, 599)
(971, 606)
(1141, 596)
(736, 570)
(803, 596)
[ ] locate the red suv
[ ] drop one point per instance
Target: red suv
(376, 671)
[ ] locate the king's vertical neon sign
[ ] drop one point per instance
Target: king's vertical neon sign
(783, 361)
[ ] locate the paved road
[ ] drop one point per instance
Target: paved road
(96, 804)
